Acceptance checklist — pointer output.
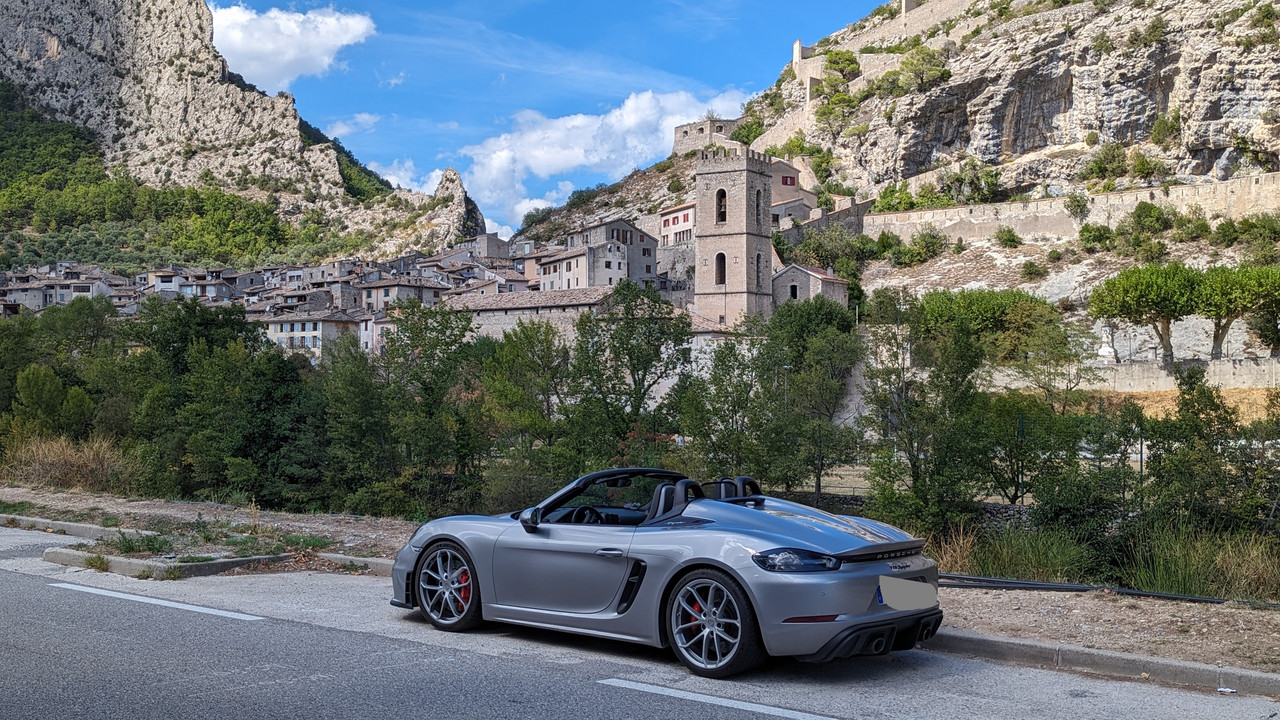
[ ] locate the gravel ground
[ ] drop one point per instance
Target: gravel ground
(1229, 634)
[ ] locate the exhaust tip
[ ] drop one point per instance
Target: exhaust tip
(876, 645)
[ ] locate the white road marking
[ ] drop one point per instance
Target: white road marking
(713, 700)
(154, 601)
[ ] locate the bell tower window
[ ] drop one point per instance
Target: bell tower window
(720, 267)
(722, 206)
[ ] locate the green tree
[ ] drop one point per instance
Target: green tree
(1225, 294)
(426, 356)
(44, 407)
(630, 344)
(921, 425)
(527, 381)
(1196, 480)
(361, 449)
(171, 328)
(1154, 295)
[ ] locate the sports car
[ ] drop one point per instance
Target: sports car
(719, 572)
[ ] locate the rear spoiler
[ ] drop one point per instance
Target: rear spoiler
(884, 551)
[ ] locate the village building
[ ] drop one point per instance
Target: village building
(494, 314)
(309, 331)
(800, 283)
(381, 294)
(678, 224)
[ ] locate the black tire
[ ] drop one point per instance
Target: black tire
(448, 590)
(711, 626)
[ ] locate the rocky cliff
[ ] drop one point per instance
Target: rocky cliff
(1031, 85)
(144, 77)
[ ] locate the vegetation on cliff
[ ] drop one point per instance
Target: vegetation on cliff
(58, 200)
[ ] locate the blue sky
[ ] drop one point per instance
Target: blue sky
(528, 99)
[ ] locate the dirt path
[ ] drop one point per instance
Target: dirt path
(1230, 634)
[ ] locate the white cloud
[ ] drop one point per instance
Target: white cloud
(504, 231)
(358, 123)
(274, 48)
(394, 81)
(632, 135)
(404, 174)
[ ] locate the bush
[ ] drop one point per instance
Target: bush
(1032, 270)
(747, 131)
(1096, 237)
(1091, 139)
(675, 186)
(1151, 34)
(925, 246)
(1007, 237)
(1106, 164)
(1145, 167)
(1167, 129)
(1077, 206)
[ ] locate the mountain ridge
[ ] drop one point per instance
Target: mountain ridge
(144, 78)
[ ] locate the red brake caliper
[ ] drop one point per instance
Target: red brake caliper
(464, 592)
(697, 607)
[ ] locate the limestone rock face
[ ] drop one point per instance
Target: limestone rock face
(433, 222)
(144, 76)
(1025, 93)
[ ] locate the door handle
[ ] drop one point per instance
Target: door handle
(609, 552)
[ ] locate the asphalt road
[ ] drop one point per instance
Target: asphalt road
(80, 644)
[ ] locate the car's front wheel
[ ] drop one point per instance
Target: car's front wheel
(711, 625)
(448, 592)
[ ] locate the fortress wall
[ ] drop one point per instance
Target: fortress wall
(1048, 216)
(1152, 376)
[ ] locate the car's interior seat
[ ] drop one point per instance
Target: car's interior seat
(670, 499)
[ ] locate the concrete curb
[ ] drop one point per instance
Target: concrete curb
(375, 566)
(1105, 662)
(159, 569)
(92, 532)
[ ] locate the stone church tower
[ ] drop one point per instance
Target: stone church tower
(733, 250)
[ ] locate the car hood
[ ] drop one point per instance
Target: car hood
(791, 524)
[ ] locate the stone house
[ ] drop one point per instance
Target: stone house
(381, 294)
(494, 314)
(309, 331)
(800, 282)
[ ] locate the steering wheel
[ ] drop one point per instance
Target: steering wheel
(586, 515)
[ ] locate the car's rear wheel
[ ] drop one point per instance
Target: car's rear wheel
(448, 591)
(711, 625)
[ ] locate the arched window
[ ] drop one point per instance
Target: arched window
(759, 207)
(719, 268)
(722, 206)
(759, 270)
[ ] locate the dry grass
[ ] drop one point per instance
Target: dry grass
(94, 465)
(954, 553)
(1249, 566)
(1251, 402)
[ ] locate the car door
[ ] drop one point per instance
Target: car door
(562, 567)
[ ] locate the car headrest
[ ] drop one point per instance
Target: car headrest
(725, 488)
(670, 499)
(746, 486)
(664, 498)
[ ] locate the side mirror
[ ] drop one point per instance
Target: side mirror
(530, 518)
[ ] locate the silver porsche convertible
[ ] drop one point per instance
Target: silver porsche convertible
(720, 572)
